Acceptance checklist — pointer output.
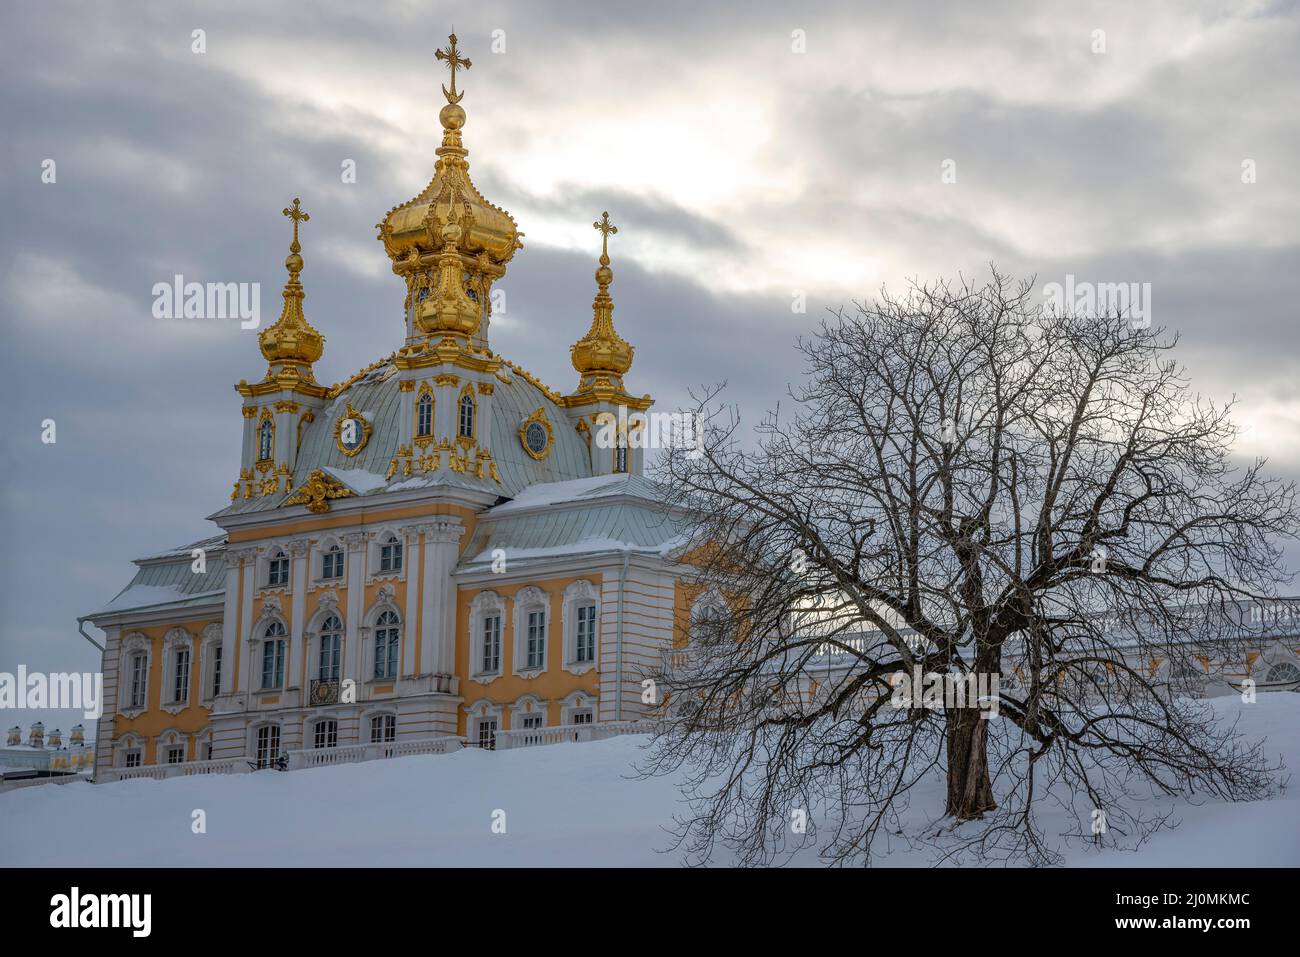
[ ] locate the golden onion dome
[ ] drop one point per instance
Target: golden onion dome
(416, 233)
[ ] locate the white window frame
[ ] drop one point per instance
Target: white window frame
(134, 644)
(210, 645)
(385, 600)
(578, 702)
(177, 642)
(256, 748)
(129, 743)
(486, 604)
(325, 733)
(393, 653)
(387, 718)
(328, 550)
(274, 556)
(375, 555)
(527, 600)
(479, 712)
(579, 594)
(262, 640)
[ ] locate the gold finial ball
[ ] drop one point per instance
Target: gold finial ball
(293, 262)
(604, 275)
(452, 116)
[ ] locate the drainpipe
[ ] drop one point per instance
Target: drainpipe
(94, 766)
(618, 650)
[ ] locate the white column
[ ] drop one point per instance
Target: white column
(438, 623)
(300, 550)
(246, 625)
(230, 620)
(411, 561)
(356, 546)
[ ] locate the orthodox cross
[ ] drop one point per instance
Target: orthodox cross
(605, 227)
(298, 216)
(455, 61)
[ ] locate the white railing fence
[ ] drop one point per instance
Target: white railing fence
(535, 737)
(354, 753)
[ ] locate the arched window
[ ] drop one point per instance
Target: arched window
(466, 430)
(277, 569)
(1283, 671)
(386, 643)
(273, 655)
(331, 648)
(265, 440)
(331, 561)
(390, 555)
(620, 455)
(424, 415)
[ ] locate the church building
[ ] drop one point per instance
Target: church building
(438, 546)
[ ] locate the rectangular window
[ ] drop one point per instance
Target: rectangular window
(620, 459)
(487, 733)
(277, 572)
(268, 745)
(176, 755)
(491, 644)
(216, 670)
(332, 564)
(383, 728)
(390, 556)
(207, 752)
(272, 664)
(133, 758)
(582, 717)
(327, 734)
(536, 651)
(181, 676)
(585, 649)
(139, 675)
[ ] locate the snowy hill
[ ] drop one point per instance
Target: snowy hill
(566, 804)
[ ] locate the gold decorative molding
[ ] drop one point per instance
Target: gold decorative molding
(537, 418)
(318, 491)
(366, 429)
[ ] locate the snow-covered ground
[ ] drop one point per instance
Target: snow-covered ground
(566, 804)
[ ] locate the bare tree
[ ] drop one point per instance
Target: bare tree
(1036, 506)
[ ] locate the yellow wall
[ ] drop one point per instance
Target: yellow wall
(153, 721)
(552, 686)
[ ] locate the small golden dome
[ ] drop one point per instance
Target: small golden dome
(602, 351)
(291, 340)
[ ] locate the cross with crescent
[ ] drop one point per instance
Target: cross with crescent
(455, 61)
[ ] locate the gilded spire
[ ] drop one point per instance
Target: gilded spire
(291, 343)
(602, 352)
(449, 243)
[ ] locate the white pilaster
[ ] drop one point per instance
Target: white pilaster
(300, 550)
(438, 622)
(411, 559)
(356, 547)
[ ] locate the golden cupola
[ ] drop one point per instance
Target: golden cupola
(290, 344)
(449, 243)
(602, 356)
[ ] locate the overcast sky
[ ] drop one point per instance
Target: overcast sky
(739, 170)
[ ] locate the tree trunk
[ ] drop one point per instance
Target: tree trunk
(970, 792)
